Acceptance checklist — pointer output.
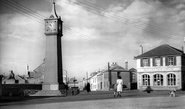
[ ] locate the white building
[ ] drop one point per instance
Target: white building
(162, 68)
(93, 81)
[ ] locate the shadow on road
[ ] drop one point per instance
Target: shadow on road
(83, 96)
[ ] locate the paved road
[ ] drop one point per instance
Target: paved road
(104, 100)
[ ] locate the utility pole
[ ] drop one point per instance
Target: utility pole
(109, 73)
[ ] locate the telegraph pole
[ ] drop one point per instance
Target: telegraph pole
(109, 73)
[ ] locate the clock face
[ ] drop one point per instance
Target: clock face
(51, 26)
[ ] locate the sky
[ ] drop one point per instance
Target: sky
(95, 32)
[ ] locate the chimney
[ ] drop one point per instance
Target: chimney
(140, 49)
(112, 64)
(108, 66)
(126, 65)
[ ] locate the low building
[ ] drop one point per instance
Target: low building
(105, 79)
(100, 81)
(82, 84)
(115, 70)
(10, 79)
(93, 81)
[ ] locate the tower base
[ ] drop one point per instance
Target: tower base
(50, 90)
(49, 93)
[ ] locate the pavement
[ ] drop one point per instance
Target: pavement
(103, 100)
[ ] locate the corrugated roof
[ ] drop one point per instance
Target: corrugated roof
(163, 50)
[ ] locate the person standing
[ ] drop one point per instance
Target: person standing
(66, 89)
(115, 90)
(119, 82)
(88, 87)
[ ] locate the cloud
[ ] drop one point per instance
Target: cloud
(21, 42)
(150, 23)
(180, 6)
(19, 27)
(81, 33)
(93, 37)
(153, 21)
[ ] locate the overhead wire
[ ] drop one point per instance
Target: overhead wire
(84, 38)
(110, 17)
(95, 6)
(35, 12)
(36, 16)
(28, 15)
(29, 10)
(18, 11)
(90, 6)
(43, 17)
(95, 12)
(19, 7)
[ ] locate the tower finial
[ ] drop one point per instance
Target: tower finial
(54, 11)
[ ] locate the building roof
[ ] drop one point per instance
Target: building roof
(163, 50)
(93, 73)
(99, 73)
(18, 77)
(133, 70)
(39, 70)
(117, 68)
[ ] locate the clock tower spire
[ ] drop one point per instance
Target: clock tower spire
(54, 13)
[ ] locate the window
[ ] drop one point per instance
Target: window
(145, 62)
(171, 79)
(171, 60)
(157, 61)
(158, 80)
(146, 80)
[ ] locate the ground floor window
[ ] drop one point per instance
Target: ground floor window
(171, 78)
(158, 80)
(146, 80)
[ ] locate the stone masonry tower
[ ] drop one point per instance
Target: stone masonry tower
(53, 75)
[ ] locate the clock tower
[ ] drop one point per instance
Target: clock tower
(53, 73)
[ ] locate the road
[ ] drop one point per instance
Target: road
(103, 100)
